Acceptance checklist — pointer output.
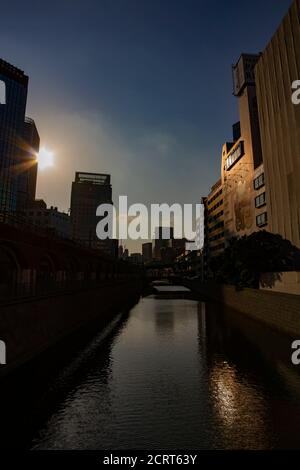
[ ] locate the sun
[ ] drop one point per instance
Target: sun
(45, 158)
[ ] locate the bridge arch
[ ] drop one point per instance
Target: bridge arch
(10, 268)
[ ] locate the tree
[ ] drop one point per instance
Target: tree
(247, 257)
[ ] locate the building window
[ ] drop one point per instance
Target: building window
(259, 181)
(262, 219)
(213, 198)
(260, 200)
(215, 206)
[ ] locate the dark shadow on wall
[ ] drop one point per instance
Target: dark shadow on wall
(31, 391)
(268, 280)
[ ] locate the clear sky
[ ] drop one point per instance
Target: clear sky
(138, 88)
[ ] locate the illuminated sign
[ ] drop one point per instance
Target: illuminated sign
(234, 156)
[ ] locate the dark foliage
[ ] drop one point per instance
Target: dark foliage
(247, 257)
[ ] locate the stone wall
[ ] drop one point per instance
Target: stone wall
(30, 327)
(277, 310)
(286, 282)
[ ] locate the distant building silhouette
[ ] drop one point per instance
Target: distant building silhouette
(120, 252)
(147, 252)
(135, 258)
(89, 190)
(178, 245)
(50, 219)
(163, 235)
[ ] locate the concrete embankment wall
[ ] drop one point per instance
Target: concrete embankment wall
(31, 327)
(277, 310)
(286, 282)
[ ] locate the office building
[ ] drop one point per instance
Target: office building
(277, 69)
(214, 221)
(147, 252)
(241, 169)
(28, 165)
(13, 97)
(89, 190)
(49, 219)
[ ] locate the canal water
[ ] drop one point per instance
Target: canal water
(177, 373)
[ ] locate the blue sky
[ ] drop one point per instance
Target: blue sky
(138, 88)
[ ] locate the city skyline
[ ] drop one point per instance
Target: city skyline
(165, 121)
(150, 230)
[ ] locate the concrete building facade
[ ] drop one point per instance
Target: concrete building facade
(214, 212)
(275, 72)
(242, 158)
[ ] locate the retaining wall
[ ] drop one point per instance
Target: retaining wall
(30, 327)
(277, 310)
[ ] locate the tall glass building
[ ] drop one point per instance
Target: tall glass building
(27, 166)
(13, 97)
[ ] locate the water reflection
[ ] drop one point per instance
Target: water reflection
(240, 408)
(164, 318)
(178, 374)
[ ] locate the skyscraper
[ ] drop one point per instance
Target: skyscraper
(28, 166)
(13, 97)
(19, 142)
(89, 190)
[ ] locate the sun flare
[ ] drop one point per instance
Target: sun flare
(45, 158)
